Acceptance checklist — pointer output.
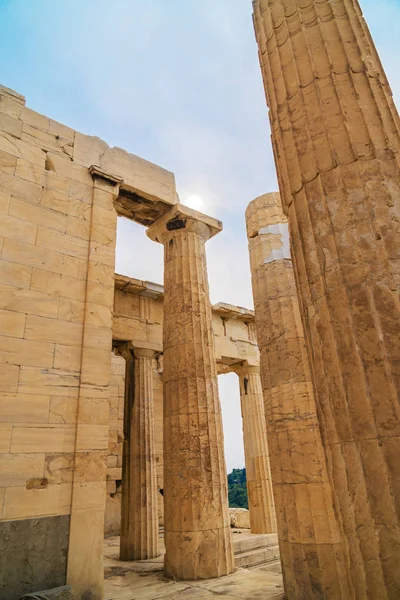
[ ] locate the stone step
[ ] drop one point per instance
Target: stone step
(245, 543)
(256, 557)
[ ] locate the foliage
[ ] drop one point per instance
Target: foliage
(237, 490)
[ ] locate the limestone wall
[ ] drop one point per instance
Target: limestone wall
(57, 246)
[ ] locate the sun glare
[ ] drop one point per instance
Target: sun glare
(194, 201)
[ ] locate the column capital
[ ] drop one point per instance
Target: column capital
(103, 178)
(243, 370)
(181, 217)
(143, 353)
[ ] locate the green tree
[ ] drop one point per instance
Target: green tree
(237, 490)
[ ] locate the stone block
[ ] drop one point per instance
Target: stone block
(9, 375)
(32, 256)
(12, 323)
(17, 469)
(30, 171)
(59, 468)
(71, 310)
(92, 437)
(17, 229)
(28, 301)
(16, 351)
(50, 438)
(38, 214)
(63, 409)
(62, 332)
(239, 518)
(21, 188)
(67, 244)
(36, 556)
(8, 163)
(60, 593)
(10, 125)
(20, 503)
(24, 408)
(5, 437)
(67, 357)
(17, 275)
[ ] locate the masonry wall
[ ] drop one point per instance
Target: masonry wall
(57, 255)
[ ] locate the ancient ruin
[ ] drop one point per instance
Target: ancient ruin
(110, 419)
(335, 133)
(88, 437)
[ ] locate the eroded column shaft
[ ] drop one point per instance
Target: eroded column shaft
(336, 139)
(258, 473)
(196, 518)
(139, 518)
(312, 546)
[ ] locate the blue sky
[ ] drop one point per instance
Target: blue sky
(178, 83)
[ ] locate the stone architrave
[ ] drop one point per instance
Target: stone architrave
(139, 502)
(335, 132)
(258, 472)
(312, 547)
(196, 517)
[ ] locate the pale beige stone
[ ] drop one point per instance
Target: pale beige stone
(308, 529)
(139, 519)
(20, 503)
(38, 215)
(239, 518)
(12, 323)
(335, 132)
(197, 534)
(9, 375)
(5, 437)
(50, 438)
(258, 472)
(23, 408)
(17, 469)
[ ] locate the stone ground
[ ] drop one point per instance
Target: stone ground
(144, 580)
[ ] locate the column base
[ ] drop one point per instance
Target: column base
(198, 554)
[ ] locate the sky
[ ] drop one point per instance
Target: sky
(178, 83)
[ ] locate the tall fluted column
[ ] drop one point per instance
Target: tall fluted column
(258, 472)
(336, 138)
(312, 546)
(196, 517)
(139, 518)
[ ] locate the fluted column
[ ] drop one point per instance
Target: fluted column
(196, 517)
(335, 132)
(312, 547)
(139, 518)
(258, 472)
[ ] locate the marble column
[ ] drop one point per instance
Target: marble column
(139, 518)
(258, 472)
(312, 545)
(196, 517)
(336, 138)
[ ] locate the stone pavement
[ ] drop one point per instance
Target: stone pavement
(144, 580)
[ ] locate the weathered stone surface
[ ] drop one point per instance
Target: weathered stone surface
(33, 555)
(258, 472)
(196, 521)
(335, 132)
(239, 518)
(139, 518)
(60, 593)
(313, 552)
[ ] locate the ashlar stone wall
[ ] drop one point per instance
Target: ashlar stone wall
(60, 194)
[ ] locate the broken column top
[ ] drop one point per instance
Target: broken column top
(263, 211)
